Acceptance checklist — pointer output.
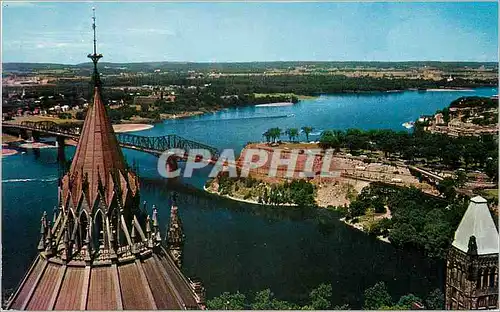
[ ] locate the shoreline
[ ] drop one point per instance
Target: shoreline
(231, 197)
(7, 151)
(121, 128)
(36, 145)
(360, 228)
(242, 200)
(356, 226)
(278, 104)
(449, 90)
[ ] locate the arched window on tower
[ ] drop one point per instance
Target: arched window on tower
(485, 279)
(479, 278)
(461, 278)
(492, 277)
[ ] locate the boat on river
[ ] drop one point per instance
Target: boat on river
(408, 124)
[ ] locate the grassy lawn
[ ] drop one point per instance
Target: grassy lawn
(490, 194)
(7, 138)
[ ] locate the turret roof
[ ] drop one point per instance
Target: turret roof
(477, 222)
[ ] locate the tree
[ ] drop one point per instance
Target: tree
(81, 115)
(447, 188)
(264, 300)
(321, 297)
(357, 208)
(289, 133)
(406, 301)
(491, 168)
(377, 296)
(267, 135)
(227, 301)
(460, 178)
(274, 133)
(307, 131)
(329, 139)
(294, 133)
(435, 300)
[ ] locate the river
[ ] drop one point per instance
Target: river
(235, 246)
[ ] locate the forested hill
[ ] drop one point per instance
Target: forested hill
(252, 66)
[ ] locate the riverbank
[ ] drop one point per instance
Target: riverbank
(121, 128)
(449, 90)
(360, 227)
(36, 145)
(248, 201)
(7, 151)
(7, 138)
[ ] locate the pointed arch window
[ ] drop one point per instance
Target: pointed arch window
(479, 278)
(99, 229)
(485, 278)
(492, 277)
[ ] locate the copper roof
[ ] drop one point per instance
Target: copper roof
(140, 284)
(98, 153)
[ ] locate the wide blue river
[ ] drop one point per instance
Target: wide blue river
(234, 246)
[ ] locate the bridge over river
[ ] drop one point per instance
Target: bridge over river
(155, 145)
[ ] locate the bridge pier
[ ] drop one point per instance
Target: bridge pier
(35, 135)
(23, 134)
(36, 152)
(172, 164)
(60, 143)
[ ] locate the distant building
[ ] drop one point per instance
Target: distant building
(438, 118)
(472, 262)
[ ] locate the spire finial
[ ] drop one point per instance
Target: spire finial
(93, 28)
(95, 57)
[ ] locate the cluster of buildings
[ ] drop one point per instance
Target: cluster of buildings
(24, 81)
(20, 103)
(461, 123)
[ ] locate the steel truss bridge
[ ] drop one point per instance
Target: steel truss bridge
(155, 145)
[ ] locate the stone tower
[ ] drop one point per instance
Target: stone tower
(102, 251)
(472, 261)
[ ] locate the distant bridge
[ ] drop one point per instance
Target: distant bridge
(434, 177)
(155, 145)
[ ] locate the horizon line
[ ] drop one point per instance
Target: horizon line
(267, 61)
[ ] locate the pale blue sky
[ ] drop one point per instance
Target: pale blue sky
(230, 32)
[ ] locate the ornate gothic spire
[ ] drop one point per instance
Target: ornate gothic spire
(98, 155)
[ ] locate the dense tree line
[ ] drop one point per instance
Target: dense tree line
(435, 149)
(85, 69)
(296, 192)
(418, 220)
(326, 84)
(376, 297)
